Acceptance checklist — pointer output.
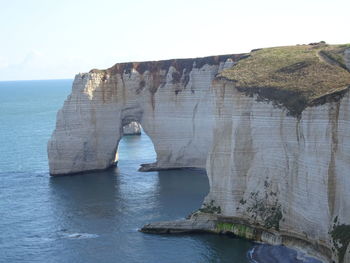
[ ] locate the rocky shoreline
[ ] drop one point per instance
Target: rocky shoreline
(263, 253)
(273, 248)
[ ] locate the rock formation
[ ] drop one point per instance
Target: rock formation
(271, 131)
(133, 128)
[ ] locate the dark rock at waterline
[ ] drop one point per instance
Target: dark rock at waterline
(278, 254)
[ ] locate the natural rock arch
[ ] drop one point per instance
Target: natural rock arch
(172, 100)
(284, 176)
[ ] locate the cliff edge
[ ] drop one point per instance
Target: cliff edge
(270, 127)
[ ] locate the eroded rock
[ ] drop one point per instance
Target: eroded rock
(286, 174)
(133, 128)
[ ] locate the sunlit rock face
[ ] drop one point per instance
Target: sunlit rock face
(287, 175)
(172, 100)
(133, 128)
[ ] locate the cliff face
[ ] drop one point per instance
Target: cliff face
(286, 174)
(172, 100)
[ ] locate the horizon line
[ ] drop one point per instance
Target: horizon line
(34, 79)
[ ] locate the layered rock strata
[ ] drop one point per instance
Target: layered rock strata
(172, 100)
(282, 177)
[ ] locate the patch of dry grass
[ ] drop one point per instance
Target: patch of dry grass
(294, 76)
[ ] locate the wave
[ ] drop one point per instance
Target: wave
(80, 235)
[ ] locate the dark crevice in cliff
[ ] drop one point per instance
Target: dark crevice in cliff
(332, 186)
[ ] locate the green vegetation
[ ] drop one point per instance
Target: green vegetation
(268, 212)
(341, 239)
(224, 227)
(237, 229)
(273, 218)
(210, 208)
(294, 77)
(336, 54)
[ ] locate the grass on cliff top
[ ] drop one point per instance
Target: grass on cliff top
(294, 76)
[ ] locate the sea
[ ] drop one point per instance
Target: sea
(95, 217)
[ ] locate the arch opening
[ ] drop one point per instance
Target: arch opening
(133, 128)
(136, 146)
(175, 187)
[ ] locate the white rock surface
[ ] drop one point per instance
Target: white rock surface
(264, 167)
(262, 159)
(174, 108)
(133, 128)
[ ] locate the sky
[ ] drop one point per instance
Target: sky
(54, 39)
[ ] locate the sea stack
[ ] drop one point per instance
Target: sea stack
(133, 128)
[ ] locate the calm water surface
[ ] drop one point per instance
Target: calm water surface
(92, 217)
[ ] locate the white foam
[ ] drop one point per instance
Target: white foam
(81, 235)
(250, 256)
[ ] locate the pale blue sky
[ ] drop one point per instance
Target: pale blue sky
(49, 39)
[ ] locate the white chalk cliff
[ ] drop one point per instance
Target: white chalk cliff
(286, 177)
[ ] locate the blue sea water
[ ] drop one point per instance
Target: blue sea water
(95, 217)
(92, 217)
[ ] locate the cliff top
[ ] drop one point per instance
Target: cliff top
(181, 65)
(293, 76)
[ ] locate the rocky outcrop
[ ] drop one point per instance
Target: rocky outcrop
(203, 223)
(133, 128)
(277, 166)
